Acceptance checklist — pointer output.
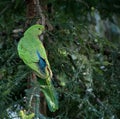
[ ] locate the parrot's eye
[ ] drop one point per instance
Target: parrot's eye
(38, 28)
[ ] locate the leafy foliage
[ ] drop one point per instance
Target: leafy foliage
(85, 63)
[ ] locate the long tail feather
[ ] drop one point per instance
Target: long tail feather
(50, 94)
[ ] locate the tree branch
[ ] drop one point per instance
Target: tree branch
(41, 15)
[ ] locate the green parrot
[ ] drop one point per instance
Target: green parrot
(33, 54)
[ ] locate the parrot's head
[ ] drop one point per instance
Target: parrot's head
(36, 29)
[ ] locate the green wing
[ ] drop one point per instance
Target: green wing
(27, 51)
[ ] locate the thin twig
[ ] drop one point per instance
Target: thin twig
(37, 102)
(4, 9)
(31, 97)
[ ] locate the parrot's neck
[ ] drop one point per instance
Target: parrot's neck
(34, 36)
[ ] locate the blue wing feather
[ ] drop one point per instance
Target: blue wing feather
(41, 63)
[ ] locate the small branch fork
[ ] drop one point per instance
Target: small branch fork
(34, 101)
